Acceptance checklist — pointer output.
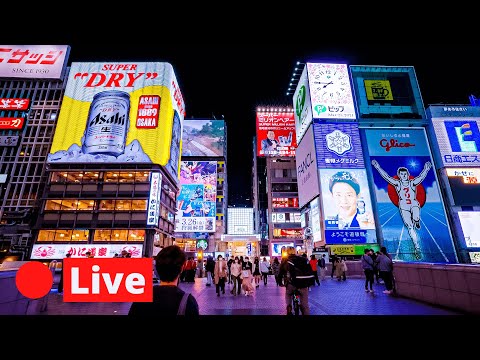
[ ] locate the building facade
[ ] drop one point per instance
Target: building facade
(112, 174)
(30, 92)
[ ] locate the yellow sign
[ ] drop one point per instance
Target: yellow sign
(120, 113)
(342, 249)
(378, 90)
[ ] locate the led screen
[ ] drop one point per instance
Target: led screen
(203, 138)
(196, 203)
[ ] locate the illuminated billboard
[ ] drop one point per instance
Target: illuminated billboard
(154, 204)
(285, 202)
(410, 209)
(117, 112)
(315, 222)
(240, 221)
(338, 146)
(307, 173)
(11, 123)
(331, 93)
(33, 61)
(458, 141)
(196, 202)
(347, 206)
(276, 134)
(203, 138)
(277, 247)
(14, 104)
(389, 92)
(464, 185)
(470, 222)
(302, 106)
(58, 251)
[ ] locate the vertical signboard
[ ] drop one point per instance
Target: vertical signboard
(315, 221)
(331, 92)
(307, 175)
(347, 207)
(276, 134)
(302, 106)
(409, 205)
(196, 203)
(154, 199)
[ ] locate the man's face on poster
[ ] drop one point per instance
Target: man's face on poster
(345, 199)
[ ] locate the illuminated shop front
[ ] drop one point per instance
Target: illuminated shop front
(87, 210)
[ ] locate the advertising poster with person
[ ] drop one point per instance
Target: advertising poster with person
(276, 134)
(196, 203)
(347, 206)
(410, 208)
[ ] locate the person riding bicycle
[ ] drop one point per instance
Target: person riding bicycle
(295, 270)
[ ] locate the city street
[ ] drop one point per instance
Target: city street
(330, 298)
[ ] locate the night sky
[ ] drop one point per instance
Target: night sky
(230, 81)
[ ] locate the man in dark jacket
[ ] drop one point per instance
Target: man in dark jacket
(168, 298)
(294, 281)
(210, 268)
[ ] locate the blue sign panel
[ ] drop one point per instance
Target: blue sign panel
(410, 209)
(338, 146)
(458, 141)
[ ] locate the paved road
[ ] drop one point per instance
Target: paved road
(330, 298)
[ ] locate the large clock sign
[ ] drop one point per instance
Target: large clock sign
(331, 93)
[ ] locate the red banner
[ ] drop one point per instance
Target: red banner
(276, 134)
(14, 104)
(285, 202)
(10, 123)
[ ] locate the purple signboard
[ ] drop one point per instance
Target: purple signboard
(338, 146)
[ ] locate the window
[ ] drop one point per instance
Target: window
(136, 235)
(139, 205)
(278, 173)
(102, 235)
(126, 177)
(141, 176)
(123, 205)
(111, 177)
(106, 205)
(119, 235)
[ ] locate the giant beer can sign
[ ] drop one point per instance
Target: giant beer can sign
(117, 113)
(107, 125)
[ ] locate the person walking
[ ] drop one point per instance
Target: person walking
(209, 269)
(314, 265)
(236, 271)
(256, 271)
(264, 269)
(323, 267)
(385, 266)
(276, 270)
(220, 273)
(368, 268)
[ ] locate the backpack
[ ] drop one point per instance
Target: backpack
(301, 275)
